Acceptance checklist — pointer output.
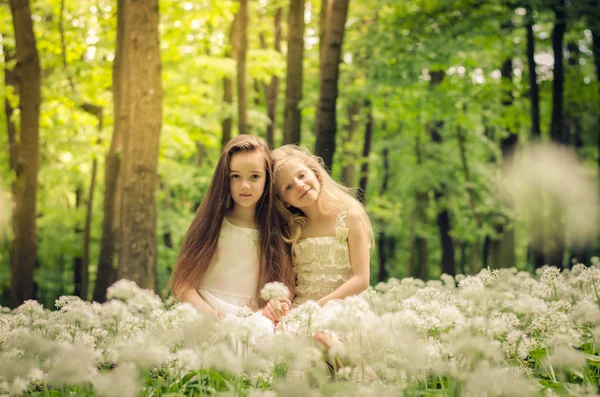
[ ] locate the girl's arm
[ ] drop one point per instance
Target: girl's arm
(358, 245)
(193, 297)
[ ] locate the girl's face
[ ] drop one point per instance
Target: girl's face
(247, 176)
(297, 184)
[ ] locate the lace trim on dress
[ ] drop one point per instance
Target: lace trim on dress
(322, 264)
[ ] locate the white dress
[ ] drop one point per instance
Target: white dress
(232, 279)
(322, 264)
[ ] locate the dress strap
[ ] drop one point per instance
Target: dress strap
(340, 220)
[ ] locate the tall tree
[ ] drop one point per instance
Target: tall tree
(230, 51)
(385, 244)
(367, 142)
(241, 55)
(292, 118)
(328, 81)
(137, 259)
(556, 237)
(350, 154)
(537, 222)
(109, 242)
(502, 248)
(417, 261)
(28, 83)
(272, 90)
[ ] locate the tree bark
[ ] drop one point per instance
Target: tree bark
(386, 243)
(324, 14)
(534, 92)
(556, 239)
(349, 156)
(418, 251)
(111, 235)
(292, 118)
(78, 259)
(28, 77)
(10, 80)
(328, 81)
(502, 250)
(596, 50)
(137, 261)
(364, 167)
(87, 231)
(272, 91)
(241, 55)
(536, 245)
(472, 200)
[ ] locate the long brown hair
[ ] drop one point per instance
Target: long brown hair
(202, 237)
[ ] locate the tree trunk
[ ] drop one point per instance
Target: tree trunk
(472, 200)
(596, 50)
(292, 118)
(78, 259)
(349, 156)
(328, 82)
(556, 239)
(443, 215)
(385, 242)
(536, 245)
(87, 231)
(137, 261)
(420, 269)
(502, 249)
(241, 55)
(324, 14)
(28, 77)
(364, 167)
(10, 80)
(557, 132)
(418, 252)
(273, 87)
(534, 92)
(112, 169)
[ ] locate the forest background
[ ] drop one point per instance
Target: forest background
(116, 112)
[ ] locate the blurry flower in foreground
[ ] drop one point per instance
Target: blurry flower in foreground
(544, 176)
(119, 382)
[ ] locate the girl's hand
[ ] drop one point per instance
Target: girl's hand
(275, 310)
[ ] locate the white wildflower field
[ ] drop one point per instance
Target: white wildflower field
(499, 333)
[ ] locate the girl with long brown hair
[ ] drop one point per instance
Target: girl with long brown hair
(234, 245)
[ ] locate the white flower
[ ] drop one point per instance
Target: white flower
(121, 381)
(139, 299)
(71, 365)
(566, 357)
(274, 290)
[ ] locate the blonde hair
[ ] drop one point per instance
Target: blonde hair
(332, 196)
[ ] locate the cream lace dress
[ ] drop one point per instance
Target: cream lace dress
(232, 279)
(322, 264)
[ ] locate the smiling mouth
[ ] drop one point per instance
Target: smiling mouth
(305, 193)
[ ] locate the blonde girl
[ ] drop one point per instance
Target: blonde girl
(328, 228)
